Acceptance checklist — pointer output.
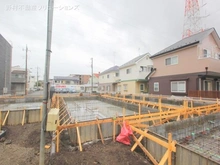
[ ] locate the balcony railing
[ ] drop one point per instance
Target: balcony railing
(205, 94)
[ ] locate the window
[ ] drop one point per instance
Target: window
(156, 87)
(102, 77)
(178, 86)
(141, 68)
(128, 71)
(146, 68)
(207, 85)
(108, 76)
(171, 60)
(206, 53)
(141, 87)
(116, 74)
(125, 87)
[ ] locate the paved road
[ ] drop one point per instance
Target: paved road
(36, 93)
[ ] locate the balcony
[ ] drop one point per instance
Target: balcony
(17, 80)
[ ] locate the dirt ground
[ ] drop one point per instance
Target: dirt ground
(21, 146)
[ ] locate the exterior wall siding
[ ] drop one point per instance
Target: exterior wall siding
(130, 87)
(5, 64)
(165, 83)
(190, 60)
(104, 79)
(135, 70)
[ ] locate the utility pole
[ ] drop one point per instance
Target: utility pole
(37, 77)
(92, 75)
(46, 80)
(26, 71)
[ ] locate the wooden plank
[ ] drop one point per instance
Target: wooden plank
(63, 117)
(78, 137)
(141, 125)
(100, 132)
(66, 122)
(123, 113)
(146, 151)
(22, 123)
(139, 140)
(164, 158)
(87, 123)
(151, 137)
(113, 131)
(139, 111)
(5, 118)
(58, 140)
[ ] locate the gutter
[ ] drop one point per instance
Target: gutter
(152, 72)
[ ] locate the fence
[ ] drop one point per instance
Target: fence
(206, 94)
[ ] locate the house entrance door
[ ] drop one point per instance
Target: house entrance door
(207, 86)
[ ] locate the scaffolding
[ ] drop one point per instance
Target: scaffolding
(139, 122)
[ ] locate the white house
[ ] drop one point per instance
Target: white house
(133, 74)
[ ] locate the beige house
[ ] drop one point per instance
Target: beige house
(133, 75)
(108, 80)
(191, 64)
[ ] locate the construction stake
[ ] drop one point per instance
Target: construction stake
(78, 137)
(23, 117)
(100, 131)
(5, 118)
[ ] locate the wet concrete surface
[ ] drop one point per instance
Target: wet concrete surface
(91, 109)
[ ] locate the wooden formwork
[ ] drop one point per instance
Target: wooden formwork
(137, 122)
(20, 116)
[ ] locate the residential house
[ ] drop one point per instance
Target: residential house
(83, 79)
(133, 75)
(5, 66)
(191, 64)
(108, 80)
(67, 80)
(18, 80)
(92, 84)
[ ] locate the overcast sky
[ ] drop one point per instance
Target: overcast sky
(111, 32)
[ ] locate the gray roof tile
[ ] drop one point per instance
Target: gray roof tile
(112, 69)
(194, 39)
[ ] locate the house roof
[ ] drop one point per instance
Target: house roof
(189, 41)
(66, 78)
(133, 61)
(112, 69)
(96, 75)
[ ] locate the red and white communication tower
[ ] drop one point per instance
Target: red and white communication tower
(192, 19)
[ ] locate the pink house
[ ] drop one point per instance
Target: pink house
(190, 65)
